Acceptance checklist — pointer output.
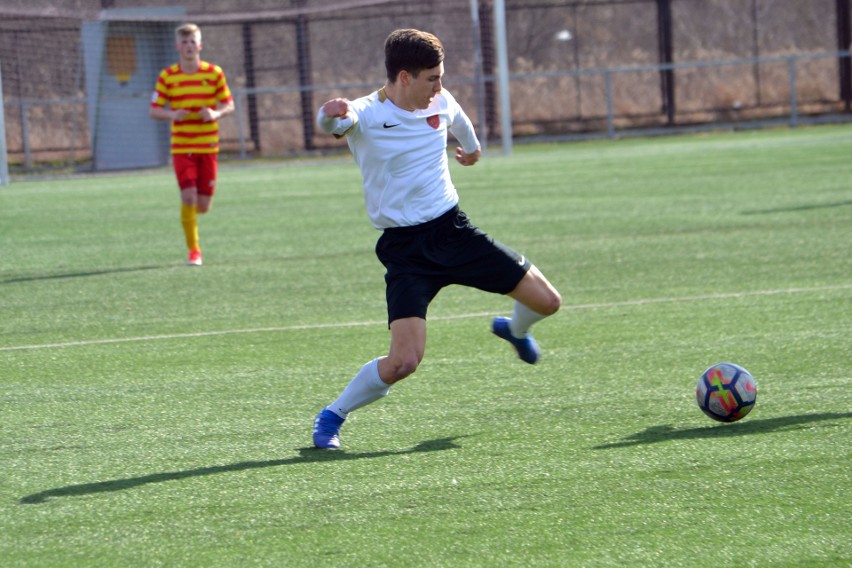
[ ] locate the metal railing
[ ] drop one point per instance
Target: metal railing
(75, 152)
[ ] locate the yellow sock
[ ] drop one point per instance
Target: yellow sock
(190, 226)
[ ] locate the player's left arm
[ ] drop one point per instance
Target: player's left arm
(224, 102)
(467, 158)
(222, 108)
(462, 128)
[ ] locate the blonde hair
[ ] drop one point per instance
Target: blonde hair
(187, 29)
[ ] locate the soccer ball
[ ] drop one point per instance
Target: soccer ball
(726, 392)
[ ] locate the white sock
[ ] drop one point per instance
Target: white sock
(522, 320)
(365, 387)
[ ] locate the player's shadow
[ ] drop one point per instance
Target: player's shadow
(747, 427)
(795, 208)
(306, 455)
(68, 275)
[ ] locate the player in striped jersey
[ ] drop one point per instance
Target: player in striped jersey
(398, 137)
(197, 96)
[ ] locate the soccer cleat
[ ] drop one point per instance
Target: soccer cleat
(526, 346)
(194, 258)
(326, 430)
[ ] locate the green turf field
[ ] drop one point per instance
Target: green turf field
(159, 415)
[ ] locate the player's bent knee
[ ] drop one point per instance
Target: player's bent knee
(553, 304)
(545, 303)
(399, 368)
(406, 368)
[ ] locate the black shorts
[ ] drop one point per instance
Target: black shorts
(422, 259)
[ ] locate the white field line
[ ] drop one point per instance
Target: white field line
(603, 305)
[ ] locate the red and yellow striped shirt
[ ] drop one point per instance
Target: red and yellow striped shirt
(192, 91)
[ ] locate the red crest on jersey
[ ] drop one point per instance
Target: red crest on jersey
(434, 121)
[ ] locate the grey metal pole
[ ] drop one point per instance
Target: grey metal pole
(4, 158)
(479, 77)
(503, 75)
(610, 119)
(794, 96)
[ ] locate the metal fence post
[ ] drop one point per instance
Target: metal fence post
(794, 99)
(4, 157)
(25, 135)
(241, 133)
(503, 75)
(610, 119)
(478, 74)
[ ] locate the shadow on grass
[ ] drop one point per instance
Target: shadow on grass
(40, 277)
(306, 455)
(798, 208)
(747, 427)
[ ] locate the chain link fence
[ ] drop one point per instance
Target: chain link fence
(577, 68)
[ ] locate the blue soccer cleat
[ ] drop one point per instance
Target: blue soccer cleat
(526, 346)
(326, 430)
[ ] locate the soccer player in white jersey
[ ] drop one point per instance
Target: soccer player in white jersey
(398, 137)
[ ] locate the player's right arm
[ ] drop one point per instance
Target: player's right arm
(159, 100)
(334, 117)
(163, 113)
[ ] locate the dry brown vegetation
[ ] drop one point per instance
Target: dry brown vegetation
(557, 51)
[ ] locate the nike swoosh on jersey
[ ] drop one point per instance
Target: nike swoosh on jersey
(386, 125)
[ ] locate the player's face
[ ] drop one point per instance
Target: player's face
(425, 86)
(189, 46)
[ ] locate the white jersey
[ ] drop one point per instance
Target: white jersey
(403, 156)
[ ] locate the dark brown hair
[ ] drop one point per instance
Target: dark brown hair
(411, 50)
